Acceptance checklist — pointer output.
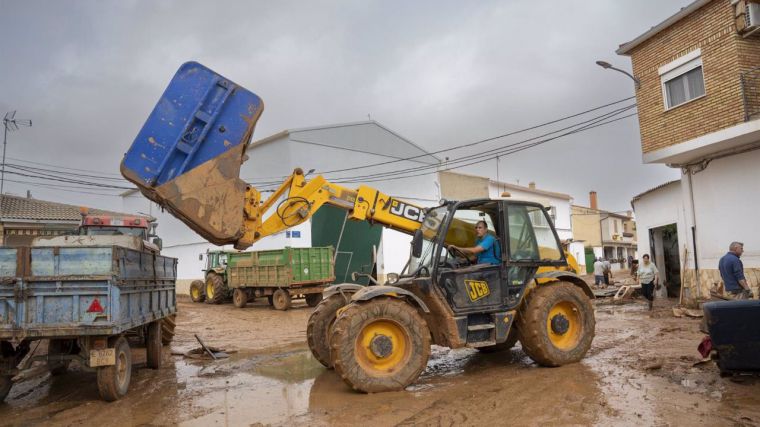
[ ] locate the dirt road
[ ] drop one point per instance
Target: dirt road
(640, 371)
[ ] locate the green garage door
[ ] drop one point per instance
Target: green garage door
(354, 250)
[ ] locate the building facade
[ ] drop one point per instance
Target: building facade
(699, 105)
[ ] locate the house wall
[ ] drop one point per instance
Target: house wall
(585, 225)
(656, 209)
(456, 186)
(724, 54)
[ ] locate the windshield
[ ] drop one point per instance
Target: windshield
(430, 226)
(116, 231)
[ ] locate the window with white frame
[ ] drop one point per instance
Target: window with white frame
(682, 80)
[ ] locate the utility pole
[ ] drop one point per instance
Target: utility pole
(10, 123)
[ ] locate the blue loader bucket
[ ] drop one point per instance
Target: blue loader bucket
(188, 153)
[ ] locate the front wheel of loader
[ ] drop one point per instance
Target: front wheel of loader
(380, 345)
(197, 293)
(556, 324)
(318, 327)
(214, 289)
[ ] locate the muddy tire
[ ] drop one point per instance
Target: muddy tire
(239, 297)
(60, 347)
(556, 324)
(215, 289)
(113, 381)
(318, 327)
(168, 324)
(313, 299)
(153, 345)
(506, 345)
(5, 386)
(281, 300)
(380, 345)
(197, 291)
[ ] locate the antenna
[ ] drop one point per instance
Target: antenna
(10, 123)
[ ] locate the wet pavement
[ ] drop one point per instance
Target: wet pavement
(642, 370)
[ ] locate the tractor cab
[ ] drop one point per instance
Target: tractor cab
(522, 240)
(109, 225)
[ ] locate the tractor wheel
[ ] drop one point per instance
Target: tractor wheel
(556, 324)
(61, 347)
(239, 297)
(318, 327)
(313, 299)
(214, 289)
(506, 345)
(168, 324)
(197, 293)
(5, 386)
(153, 345)
(380, 345)
(113, 381)
(281, 300)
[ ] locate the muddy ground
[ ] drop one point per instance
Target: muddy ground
(642, 370)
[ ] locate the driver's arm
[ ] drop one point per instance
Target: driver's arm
(474, 250)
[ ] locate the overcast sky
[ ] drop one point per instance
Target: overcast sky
(440, 73)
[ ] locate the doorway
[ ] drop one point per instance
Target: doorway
(666, 256)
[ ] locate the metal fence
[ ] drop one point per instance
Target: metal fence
(750, 81)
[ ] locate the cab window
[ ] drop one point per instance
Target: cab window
(530, 234)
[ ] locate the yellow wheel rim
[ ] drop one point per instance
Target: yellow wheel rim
(194, 292)
(210, 289)
(564, 325)
(382, 346)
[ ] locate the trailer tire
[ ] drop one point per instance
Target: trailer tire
(239, 297)
(197, 292)
(313, 299)
(5, 386)
(154, 345)
(168, 324)
(281, 299)
(113, 381)
(556, 324)
(380, 345)
(318, 327)
(215, 291)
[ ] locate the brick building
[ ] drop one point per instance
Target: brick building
(699, 105)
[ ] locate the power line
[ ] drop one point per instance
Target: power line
(63, 167)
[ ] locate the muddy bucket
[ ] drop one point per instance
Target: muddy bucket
(188, 153)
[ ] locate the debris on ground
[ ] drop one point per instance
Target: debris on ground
(205, 351)
(688, 312)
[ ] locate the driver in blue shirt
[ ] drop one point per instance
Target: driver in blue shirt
(486, 247)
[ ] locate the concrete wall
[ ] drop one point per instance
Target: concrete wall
(456, 186)
(656, 209)
(585, 224)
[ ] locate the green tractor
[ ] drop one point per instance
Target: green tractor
(214, 289)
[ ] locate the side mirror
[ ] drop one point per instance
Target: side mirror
(417, 244)
(158, 242)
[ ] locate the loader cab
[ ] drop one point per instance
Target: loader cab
(525, 240)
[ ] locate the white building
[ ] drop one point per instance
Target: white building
(348, 154)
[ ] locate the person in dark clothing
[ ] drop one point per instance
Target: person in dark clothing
(732, 272)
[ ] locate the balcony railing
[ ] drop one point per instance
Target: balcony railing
(750, 81)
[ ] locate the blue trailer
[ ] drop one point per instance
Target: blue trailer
(93, 303)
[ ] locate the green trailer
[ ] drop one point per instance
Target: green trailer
(280, 275)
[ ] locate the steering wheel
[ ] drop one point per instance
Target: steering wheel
(458, 254)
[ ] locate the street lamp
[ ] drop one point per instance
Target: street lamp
(607, 65)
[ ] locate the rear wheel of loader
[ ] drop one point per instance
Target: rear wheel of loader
(556, 324)
(214, 289)
(239, 297)
(168, 324)
(281, 299)
(313, 299)
(380, 345)
(506, 345)
(197, 294)
(318, 327)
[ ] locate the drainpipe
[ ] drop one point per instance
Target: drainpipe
(687, 171)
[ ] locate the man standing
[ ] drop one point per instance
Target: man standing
(649, 277)
(607, 271)
(732, 272)
(598, 272)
